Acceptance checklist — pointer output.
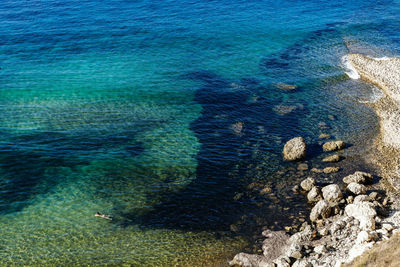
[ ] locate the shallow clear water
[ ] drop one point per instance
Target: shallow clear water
(161, 114)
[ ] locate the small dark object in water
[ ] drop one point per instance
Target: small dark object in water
(104, 216)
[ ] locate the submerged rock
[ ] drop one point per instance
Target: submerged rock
(334, 145)
(237, 127)
(286, 87)
(333, 158)
(302, 167)
(284, 109)
(328, 170)
(324, 136)
(295, 149)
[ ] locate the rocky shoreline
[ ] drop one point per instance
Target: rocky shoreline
(343, 223)
(346, 219)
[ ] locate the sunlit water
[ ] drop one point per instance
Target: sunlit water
(162, 113)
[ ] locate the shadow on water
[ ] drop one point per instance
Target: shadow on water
(230, 129)
(25, 160)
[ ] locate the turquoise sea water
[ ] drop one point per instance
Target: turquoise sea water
(161, 114)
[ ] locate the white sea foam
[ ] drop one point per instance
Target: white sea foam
(381, 58)
(349, 69)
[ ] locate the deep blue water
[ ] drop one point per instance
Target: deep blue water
(168, 116)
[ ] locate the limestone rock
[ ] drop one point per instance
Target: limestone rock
(333, 145)
(332, 193)
(250, 260)
(314, 195)
(358, 177)
(361, 198)
(274, 244)
(307, 184)
(295, 149)
(364, 212)
(301, 263)
(328, 170)
(356, 189)
(320, 249)
(320, 210)
(363, 237)
(333, 158)
(282, 262)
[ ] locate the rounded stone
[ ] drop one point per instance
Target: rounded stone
(295, 149)
(307, 184)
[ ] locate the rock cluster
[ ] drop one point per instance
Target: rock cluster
(344, 223)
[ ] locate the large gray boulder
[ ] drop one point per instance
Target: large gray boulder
(295, 149)
(320, 210)
(358, 177)
(332, 193)
(333, 145)
(364, 212)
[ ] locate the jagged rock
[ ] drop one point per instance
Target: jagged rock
(282, 262)
(374, 196)
(339, 225)
(333, 145)
(295, 149)
(320, 249)
(358, 177)
(361, 198)
(274, 244)
(364, 212)
(323, 231)
(307, 184)
(296, 254)
(363, 237)
(332, 193)
(301, 263)
(333, 158)
(314, 195)
(356, 189)
(328, 170)
(250, 260)
(387, 226)
(321, 209)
